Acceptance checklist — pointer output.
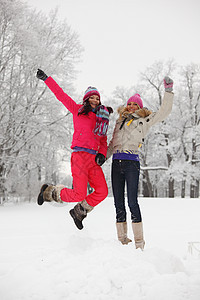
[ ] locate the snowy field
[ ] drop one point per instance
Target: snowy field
(44, 257)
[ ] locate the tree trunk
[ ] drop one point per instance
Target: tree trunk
(197, 189)
(171, 188)
(3, 194)
(194, 189)
(193, 181)
(183, 184)
(147, 186)
(39, 173)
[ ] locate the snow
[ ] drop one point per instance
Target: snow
(44, 257)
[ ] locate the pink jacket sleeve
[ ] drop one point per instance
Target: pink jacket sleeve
(68, 102)
(103, 146)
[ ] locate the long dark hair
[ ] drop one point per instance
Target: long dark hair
(86, 108)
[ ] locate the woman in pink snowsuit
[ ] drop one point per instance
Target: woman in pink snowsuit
(89, 146)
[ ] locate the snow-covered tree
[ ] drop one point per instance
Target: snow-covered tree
(170, 154)
(31, 120)
(188, 130)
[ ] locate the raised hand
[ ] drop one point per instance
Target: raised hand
(168, 84)
(41, 75)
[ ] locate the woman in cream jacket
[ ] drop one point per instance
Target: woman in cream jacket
(130, 130)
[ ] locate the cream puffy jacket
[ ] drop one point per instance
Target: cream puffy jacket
(132, 134)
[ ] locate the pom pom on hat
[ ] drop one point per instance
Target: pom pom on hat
(89, 92)
(136, 99)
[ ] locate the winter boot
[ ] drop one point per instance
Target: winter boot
(40, 199)
(79, 212)
(138, 235)
(50, 193)
(122, 233)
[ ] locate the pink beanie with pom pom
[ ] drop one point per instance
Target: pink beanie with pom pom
(89, 92)
(136, 99)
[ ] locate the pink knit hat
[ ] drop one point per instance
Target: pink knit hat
(136, 99)
(89, 92)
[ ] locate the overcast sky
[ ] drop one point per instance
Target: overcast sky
(122, 37)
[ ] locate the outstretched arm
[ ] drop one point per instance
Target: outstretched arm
(68, 102)
(166, 105)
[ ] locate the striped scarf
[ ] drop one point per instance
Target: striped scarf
(102, 120)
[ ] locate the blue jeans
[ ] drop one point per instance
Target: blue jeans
(126, 171)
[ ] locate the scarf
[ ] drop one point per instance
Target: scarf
(102, 120)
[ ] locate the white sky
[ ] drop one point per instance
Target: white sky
(122, 37)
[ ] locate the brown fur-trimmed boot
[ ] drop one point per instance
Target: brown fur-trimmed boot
(122, 233)
(50, 193)
(79, 212)
(138, 235)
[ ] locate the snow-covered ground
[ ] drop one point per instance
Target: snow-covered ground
(44, 257)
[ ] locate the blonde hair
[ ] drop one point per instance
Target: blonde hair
(142, 112)
(123, 112)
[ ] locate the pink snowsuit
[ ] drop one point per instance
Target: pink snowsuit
(83, 166)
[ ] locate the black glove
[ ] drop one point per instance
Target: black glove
(100, 159)
(41, 75)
